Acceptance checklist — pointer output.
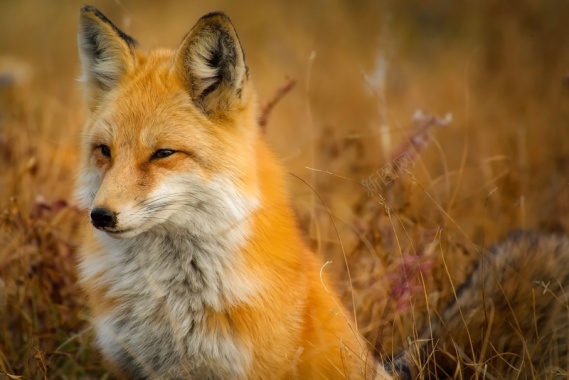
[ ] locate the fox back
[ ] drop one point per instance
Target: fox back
(196, 267)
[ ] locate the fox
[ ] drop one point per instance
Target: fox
(508, 320)
(194, 265)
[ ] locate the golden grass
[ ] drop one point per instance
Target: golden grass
(361, 71)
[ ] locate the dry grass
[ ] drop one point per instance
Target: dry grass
(361, 70)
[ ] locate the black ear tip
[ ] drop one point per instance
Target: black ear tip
(216, 16)
(89, 9)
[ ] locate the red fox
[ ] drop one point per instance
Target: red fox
(196, 268)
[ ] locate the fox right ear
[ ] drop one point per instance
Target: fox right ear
(211, 63)
(106, 53)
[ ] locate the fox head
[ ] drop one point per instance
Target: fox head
(170, 137)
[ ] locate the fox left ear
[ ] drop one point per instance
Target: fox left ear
(211, 63)
(106, 53)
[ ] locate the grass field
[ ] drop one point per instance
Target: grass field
(361, 72)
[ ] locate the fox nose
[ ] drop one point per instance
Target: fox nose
(103, 218)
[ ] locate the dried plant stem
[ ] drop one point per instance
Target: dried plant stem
(268, 106)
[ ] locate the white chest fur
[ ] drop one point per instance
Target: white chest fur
(165, 285)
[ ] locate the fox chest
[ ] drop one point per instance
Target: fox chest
(159, 326)
(146, 346)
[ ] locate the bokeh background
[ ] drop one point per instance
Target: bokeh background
(361, 70)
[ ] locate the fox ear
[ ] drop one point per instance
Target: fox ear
(211, 63)
(105, 52)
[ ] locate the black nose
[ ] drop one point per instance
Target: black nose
(103, 218)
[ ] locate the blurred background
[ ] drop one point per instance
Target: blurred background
(361, 71)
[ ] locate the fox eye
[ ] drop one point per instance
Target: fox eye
(162, 153)
(105, 150)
